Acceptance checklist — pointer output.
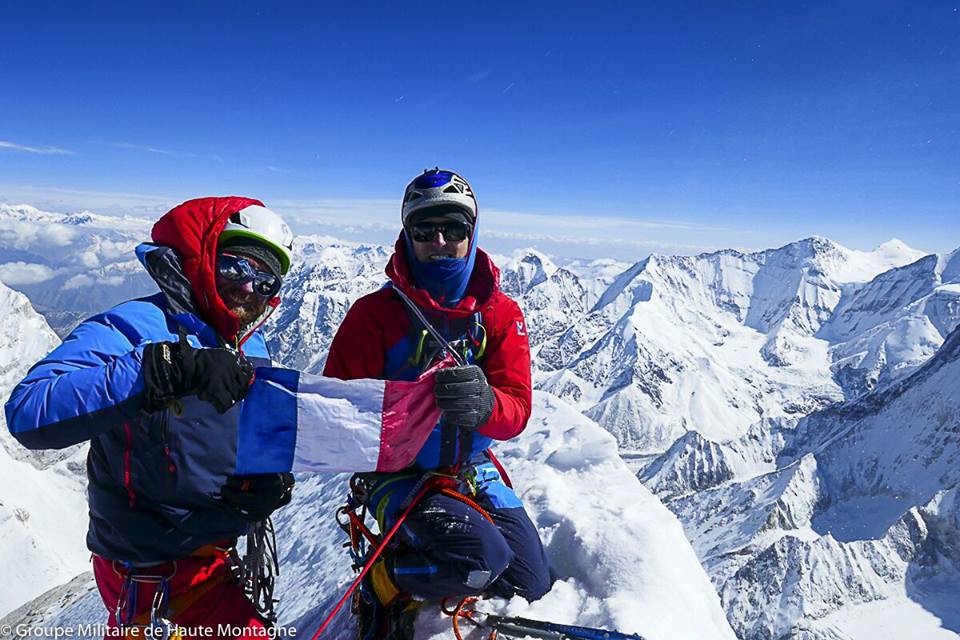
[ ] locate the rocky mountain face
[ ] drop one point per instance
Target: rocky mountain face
(42, 494)
(718, 342)
(801, 523)
(327, 277)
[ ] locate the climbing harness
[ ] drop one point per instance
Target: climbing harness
(255, 572)
(163, 607)
(362, 539)
(381, 545)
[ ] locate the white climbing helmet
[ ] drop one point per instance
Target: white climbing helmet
(263, 225)
(438, 188)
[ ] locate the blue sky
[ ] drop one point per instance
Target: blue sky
(657, 126)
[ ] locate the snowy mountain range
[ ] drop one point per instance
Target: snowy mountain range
(792, 407)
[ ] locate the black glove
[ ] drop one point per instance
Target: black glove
(175, 369)
(256, 497)
(463, 396)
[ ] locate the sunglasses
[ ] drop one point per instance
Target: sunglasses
(452, 231)
(239, 270)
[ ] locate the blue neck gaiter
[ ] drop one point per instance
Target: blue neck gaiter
(446, 279)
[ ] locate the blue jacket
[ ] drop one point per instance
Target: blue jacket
(154, 478)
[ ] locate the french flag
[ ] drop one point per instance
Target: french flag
(293, 421)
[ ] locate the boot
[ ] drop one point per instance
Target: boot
(383, 611)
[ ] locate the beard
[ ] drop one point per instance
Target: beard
(247, 306)
(248, 314)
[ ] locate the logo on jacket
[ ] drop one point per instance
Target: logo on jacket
(521, 330)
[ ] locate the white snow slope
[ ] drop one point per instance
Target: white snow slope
(42, 497)
(718, 342)
(861, 508)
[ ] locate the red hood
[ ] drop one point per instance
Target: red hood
(192, 229)
(484, 282)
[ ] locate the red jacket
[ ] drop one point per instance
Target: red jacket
(379, 322)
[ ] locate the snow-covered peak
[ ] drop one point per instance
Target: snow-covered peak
(41, 496)
(895, 248)
(83, 219)
(526, 269)
(24, 338)
(860, 509)
(861, 266)
(948, 266)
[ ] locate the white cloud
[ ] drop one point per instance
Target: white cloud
(77, 281)
(585, 235)
(103, 202)
(639, 243)
(58, 234)
(24, 233)
(141, 147)
(161, 151)
(15, 273)
(111, 281)
(110, 250)
(85, 280)
(47, 151)
(89, 259)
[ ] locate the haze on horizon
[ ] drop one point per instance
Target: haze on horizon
(617, 130)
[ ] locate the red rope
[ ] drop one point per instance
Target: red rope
(358, 526)
(428, 486)
(503, 472)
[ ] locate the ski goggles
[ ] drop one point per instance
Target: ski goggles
(451, 230)
(238, 270)
(433, 180)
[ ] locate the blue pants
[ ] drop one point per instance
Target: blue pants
(450, 549)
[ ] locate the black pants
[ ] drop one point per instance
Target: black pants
(450, 549)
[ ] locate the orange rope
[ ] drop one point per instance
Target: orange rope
(456, 495)
(459, 612)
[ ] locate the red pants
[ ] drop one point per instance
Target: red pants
(204, 601)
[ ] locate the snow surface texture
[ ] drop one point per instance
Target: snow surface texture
(621, 558)
(718, 342)
(860, 509)
(42, 496)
